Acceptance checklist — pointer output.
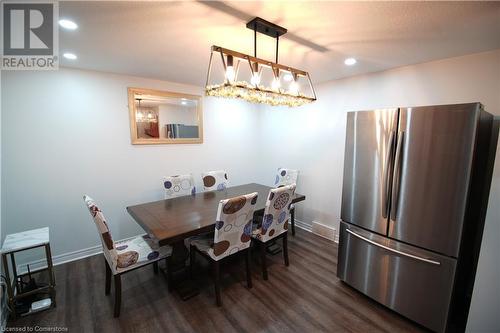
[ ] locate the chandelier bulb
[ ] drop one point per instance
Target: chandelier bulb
(230, 74)
(294, 88)
(255, 80)
(276, 84)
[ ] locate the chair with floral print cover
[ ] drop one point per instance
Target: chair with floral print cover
(214, 180)
(177, 186)
(233, 233)
(287, 177)
(275, 222)
(124, 256)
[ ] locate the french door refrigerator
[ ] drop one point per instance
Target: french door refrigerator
(415, 188)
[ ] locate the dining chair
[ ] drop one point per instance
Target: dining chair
(274, 223)
(214, 180)
(287, 177)
(124, 256)
(180, 185)
(232, 234)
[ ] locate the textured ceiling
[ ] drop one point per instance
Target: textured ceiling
(171, 40)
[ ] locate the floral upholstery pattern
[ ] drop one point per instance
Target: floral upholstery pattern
(233, 228)
(176, 186)
(276, 214)
(138, 251)
(286, 177)
(108, 246)
(215, 180)
(128, 254)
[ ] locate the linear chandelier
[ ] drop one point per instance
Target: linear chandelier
(257, 80)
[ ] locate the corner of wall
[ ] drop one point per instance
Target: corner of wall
(3, 299)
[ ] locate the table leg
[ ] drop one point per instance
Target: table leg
(10, 292)
(179, 256)
(14, 272)
(52, 279)
(182, 283)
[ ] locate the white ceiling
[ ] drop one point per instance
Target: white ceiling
(171, 40)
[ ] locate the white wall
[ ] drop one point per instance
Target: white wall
(312, 139)
(66, 133)
(483, 315)
(1, 187)
(175, 114)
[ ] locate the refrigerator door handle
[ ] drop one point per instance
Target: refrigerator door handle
(385, 181)
(394, 250)
(396, 177)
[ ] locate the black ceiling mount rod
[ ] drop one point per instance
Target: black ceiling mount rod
(255, 39)
(277, 46)
(267, 28)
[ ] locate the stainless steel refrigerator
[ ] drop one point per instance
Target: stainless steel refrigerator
(415, 189)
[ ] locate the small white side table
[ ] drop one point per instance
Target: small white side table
(22, 241)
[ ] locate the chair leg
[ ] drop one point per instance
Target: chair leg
(247, 263)
(169, 274)
(155, 267)
(285, 248)
(108, 278)
(263, 260)
(192, 258)
(118, 294)
(217, 282)
(292, 220)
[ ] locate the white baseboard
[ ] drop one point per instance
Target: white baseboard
(60, 259)
(318, 229)
(64, 258)
(302, 225)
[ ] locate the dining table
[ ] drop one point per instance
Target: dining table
(171, 221)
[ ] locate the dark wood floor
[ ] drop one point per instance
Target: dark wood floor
(305, 297)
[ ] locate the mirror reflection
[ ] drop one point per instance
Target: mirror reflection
(165, 117)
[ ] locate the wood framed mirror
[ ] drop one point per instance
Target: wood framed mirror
(164, 117)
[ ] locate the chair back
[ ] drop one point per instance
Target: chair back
(177, 186)
(108, 246)
(277, 212)
(215, 180)
(233, 227)
(286, 177)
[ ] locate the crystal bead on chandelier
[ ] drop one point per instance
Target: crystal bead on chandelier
(265, 77)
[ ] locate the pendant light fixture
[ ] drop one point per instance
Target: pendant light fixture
(264, 81)
(139, 116)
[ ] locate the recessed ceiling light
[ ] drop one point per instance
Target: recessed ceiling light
(67, 24)
(350, 61)
(70, 56)
(184, 102)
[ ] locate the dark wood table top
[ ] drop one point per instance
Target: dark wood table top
(172, 220)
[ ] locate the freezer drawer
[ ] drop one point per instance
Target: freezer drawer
(413, 282)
